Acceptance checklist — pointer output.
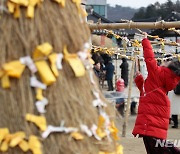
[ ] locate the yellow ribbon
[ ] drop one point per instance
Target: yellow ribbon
(3, 133)
(16, 139)
(53, 60)
(136, 43)
(5, 143)
(42, 50)
(39, 95)
(78, 3)
(77, 136)
(24, 145)
(75, 63)
(14, 7)
(45, 72)
(100, 130)
(40, 121)
(12, 69)
(31, 6)
(35, 145)
(61, 2)
(20, 2)
(114, 131)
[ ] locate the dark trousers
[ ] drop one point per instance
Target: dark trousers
(110, 85)
(150, 145)
(175, 119)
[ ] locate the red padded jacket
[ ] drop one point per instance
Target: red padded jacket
(154, 105)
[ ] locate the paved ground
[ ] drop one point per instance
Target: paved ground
(135, 145)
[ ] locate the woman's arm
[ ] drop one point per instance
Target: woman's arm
(139, 80)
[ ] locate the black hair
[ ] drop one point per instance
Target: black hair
(175, 66)
(168, 57)
(124, 59)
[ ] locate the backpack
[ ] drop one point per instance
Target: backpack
(177, 89)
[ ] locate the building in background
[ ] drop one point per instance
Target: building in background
(99, 6)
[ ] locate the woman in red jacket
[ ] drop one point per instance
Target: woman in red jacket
(154, 106)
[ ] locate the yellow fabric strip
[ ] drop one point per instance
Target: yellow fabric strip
(5, 82)
(45, 72)
(14, 69)
(24, 145)
(42, 50)
(16, 139)
(3, 133)
(53, 60)
(35, 145)
(75, 63)
(39, 95)
(40, 121)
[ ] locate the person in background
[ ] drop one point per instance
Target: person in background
(97, 68)
(109, 68)
(174, 97)
(152, 121)
(124, 71)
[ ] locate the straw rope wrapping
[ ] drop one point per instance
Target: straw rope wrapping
(70, 98)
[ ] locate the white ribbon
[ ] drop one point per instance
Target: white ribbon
(83, 55)
(91, 77)
(52, 129)
(41, 105)
(93, 129)
(86, 130)
(59, 61)
(98, 102)
(37, 84)
(29, 63)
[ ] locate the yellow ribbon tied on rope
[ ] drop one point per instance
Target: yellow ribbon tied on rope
(31, 6)
(5, 143)
(39, 94)
(12, 140)
(12, 69)
(16, 139)
(24, 145)
(3, 133)
(42, 50)
(61, 2)
(35, 145)
(77, 136)
(14, 7)
(75, 63)
(39, 121)
(114, 131)
(100, 130)
(136, 43)
(45, 72)
(53, 59)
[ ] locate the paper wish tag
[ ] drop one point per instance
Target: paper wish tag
(75, 63)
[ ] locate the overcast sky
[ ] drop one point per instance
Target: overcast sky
(135, 3)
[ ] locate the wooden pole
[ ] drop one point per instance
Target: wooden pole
(128, 101)
(140, 25)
